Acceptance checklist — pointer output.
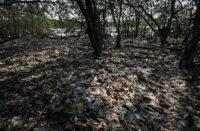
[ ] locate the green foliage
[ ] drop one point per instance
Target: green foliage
(35, 19)
(24, 20)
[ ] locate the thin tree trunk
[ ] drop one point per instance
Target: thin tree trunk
(137, 24)
(117, 22)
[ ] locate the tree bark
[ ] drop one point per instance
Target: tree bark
(193, 44)
(163, 34)
(94, 29)
(137, 24)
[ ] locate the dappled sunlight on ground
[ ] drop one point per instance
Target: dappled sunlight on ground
(58, 84)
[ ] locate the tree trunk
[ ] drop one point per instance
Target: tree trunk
(163, 39)
(164, 32)
(118, 40)
(94, 29)
(193, 44)
(189, 54)
(117, 21)
(137, 24)
(94, 41)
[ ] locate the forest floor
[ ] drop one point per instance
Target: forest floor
(59, 85)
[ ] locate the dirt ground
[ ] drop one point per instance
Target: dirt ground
(59, 85)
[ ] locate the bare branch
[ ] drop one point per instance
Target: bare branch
(9, 3)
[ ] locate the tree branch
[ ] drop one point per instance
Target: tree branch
(147, 21)
(145, 12)
(9, 3)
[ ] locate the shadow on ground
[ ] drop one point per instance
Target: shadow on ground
(58, 85)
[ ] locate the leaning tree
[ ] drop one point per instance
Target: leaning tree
(165, 11)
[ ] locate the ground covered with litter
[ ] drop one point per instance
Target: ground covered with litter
(59, 85)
